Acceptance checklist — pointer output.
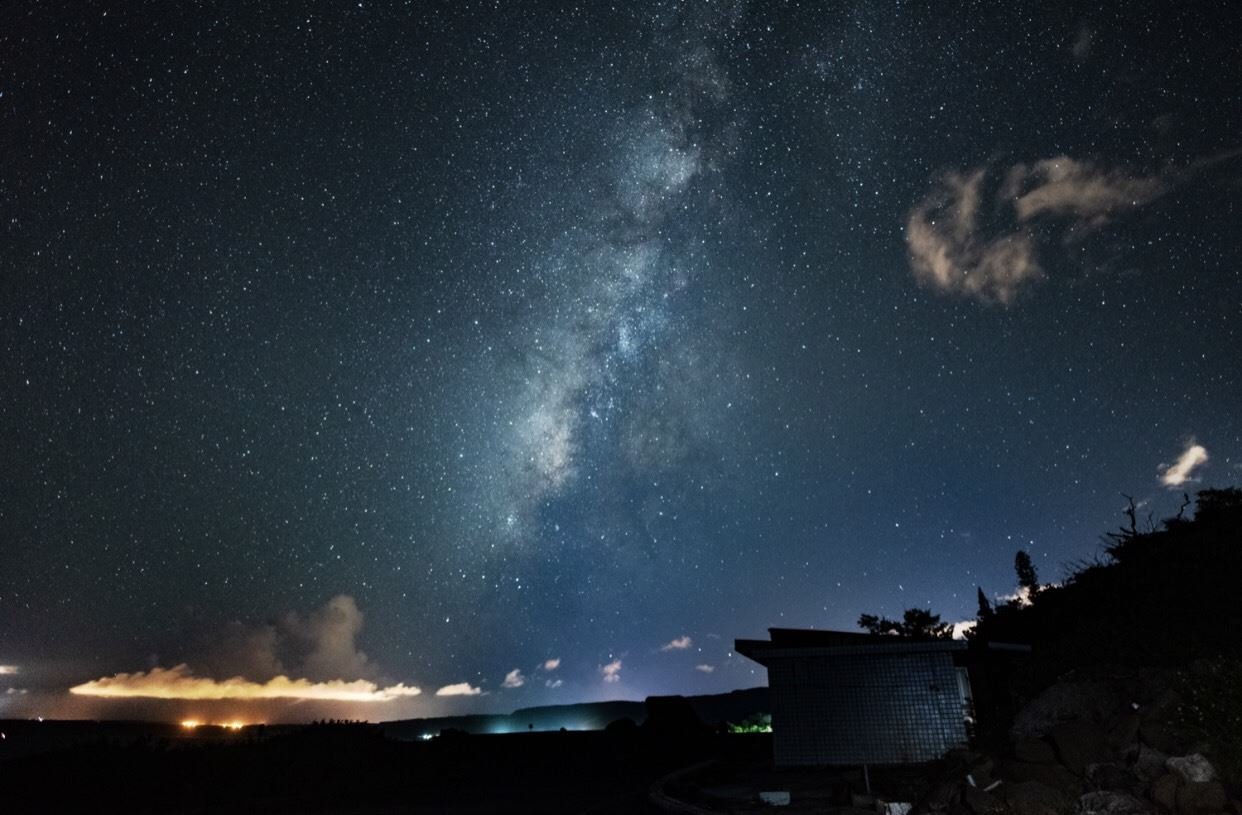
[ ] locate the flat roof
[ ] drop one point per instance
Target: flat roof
(810, 642)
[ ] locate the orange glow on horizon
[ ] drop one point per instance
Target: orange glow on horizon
(194, 724)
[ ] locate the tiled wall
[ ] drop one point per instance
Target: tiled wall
(866, 708)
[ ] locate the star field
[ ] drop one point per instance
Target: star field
(426, 343)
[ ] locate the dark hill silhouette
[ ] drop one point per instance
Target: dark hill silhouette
(734, 706)
(1163, 596)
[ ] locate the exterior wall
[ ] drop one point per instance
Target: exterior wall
(877, 708)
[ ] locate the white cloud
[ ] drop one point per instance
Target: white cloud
(961, 627)
(611, 672)
(459, 689)
(513, 679)
(705, 668)
(1021, 595)
(553, 683)
(552, 664)
(16, 692)
(679, 644)
(7, 670)
(1178, 473)
(179, 682)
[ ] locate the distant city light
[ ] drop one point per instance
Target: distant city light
(192, 724)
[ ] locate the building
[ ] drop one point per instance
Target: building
(850, 698)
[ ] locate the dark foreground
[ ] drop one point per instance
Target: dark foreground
(351, 769)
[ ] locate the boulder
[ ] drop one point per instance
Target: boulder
(1149, 762)
(1079, 743)
(1157, 724)
(1090, 701)
(1193, 767)
(982, 802)
(1201, 797)
(1164, 791)
(1103, 802)
(982, 772)
(1035, 751)
(1050, 775)
(1124, 732)
(1111, 777)
(940, 797)
(1034, 798)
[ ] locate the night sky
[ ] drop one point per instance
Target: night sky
(531, 353)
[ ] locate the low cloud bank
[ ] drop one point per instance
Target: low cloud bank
(179, 682)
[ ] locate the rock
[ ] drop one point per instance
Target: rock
(1195, 797)
(982, 772)
(1193, 767)
(981, 802)
(1156, 725)
(1112, 777)
(1080, 743)
(1124, 733)
(940, 797)
(1164, 791)
(1050, 775)
(1034, 798)
(1035, 751)
(1103, 802)
(1063, 701)
(1149, 762)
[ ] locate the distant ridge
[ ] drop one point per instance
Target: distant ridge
(733, 706)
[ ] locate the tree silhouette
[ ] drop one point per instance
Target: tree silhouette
(1027, 578)
(918, 623)
(985, 608)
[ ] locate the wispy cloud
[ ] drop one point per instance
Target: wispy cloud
(611, 672)
(8, 670)
(948, 251)
(513, 679)
(678, 644)
(705, 668)
(553, 683)
(1179, 472)
(951, 250)
(459, 689)
(552, 664)
(319, 645)
(179, 682)
(1062, 186)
